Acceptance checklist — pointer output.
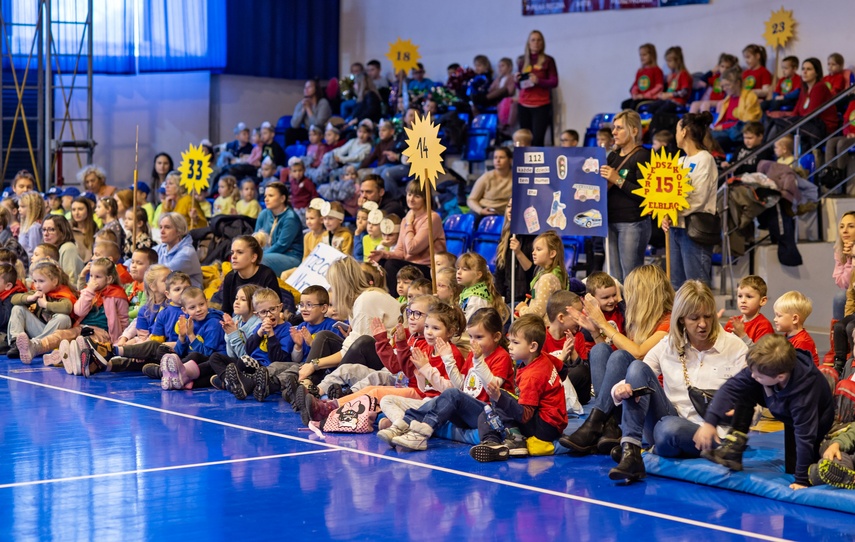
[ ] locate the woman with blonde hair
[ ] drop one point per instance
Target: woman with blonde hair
(31, 211)
(697, 355)
(536, 78)
(649, 302)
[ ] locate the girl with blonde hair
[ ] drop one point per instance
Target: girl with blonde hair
(548, 255)
(31, 211)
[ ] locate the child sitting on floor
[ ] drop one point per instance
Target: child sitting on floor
(539, 411)
(837, 466)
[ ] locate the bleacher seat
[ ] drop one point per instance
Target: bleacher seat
(600, 120)
(282, 124)
(297, 149)
(477, 145)
(485, 122)
(808, 163)
(573, 245)
(455, 244)
(490, 227)
(486, 247)
(458, 232)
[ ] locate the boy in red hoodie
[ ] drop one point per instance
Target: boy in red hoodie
(539, 411)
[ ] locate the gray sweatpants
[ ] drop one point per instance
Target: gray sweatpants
(357, 377)
(21, 320)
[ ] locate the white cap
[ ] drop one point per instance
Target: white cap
(375, 217)
(317, 203)
(387, 227)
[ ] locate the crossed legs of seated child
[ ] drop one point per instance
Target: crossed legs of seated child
(23, 323)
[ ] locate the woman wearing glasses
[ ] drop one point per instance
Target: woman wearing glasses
(57, 231)
(248, 269)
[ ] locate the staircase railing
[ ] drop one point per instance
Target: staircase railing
(794, 130)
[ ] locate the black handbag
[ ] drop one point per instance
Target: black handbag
(704, 228)
(700, 398)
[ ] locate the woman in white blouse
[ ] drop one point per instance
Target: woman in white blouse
(696, 352)
(691, 260)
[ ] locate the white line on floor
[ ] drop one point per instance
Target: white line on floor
(535, 489)
(161, 469)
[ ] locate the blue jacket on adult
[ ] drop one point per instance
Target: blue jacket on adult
(182, 257)
(288, 237)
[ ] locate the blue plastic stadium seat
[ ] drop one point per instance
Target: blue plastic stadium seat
(476, 147)
(297, 149)
(458, 231)
(486, 122)
(282, 124)
(486, 248)
(490, 227)
(600, 120)
(808, 162)
(455, 244)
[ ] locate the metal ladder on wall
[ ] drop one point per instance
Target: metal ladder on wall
(61, 92)
(727, 260)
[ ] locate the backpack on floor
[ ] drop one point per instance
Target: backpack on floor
(355, 416)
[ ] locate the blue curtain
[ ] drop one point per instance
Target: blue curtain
(129, 36)
(296, 39)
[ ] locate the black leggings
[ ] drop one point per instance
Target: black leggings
(842, 336)
(146, 352)
(580, 377)
(361, 352)
(536, 119)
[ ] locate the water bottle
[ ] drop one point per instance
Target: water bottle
(494, 421)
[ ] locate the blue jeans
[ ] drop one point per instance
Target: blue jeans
(608, 367)
(453, 406)
(689, 260)
(838, 305)
(280, 262)
(393, 177)
(728, 138)
(654, 418)
(627, 243)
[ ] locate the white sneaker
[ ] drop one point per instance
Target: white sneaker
(73, 365)
(396, 429)
(410, 441)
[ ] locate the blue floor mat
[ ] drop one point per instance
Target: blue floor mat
(763, 475)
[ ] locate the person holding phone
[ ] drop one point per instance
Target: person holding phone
(536, 78)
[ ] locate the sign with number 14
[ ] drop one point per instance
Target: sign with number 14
(664, 185)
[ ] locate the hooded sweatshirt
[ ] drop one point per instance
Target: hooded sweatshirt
(805, 404)
(210, 336)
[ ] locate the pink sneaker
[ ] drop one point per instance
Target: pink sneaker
(174, 375)
(23, 343)
(57, 357)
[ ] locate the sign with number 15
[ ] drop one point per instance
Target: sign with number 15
(664, 185)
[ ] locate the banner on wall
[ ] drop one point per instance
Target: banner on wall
(559, 189)
(549, 7)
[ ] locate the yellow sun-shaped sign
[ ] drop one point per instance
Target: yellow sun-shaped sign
(195, 169)
(664, 185)
(424, 150)
(404, 55)
(779, 28)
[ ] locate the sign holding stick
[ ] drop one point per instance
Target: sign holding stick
(424, 152)
(664, 185)
(195, 171)
(136, 178)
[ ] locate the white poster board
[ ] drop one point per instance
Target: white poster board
(313, 270)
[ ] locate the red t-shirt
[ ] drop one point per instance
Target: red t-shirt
(649, 82)
(756, 328)
(677, 82)
(714, 84)
(540, 387)
(803, 341)
(785, 86)
(849, 119)
(814, 99)
(835, 82)
(727, 119)
(500, 365)
(553, 347)
(756, 79)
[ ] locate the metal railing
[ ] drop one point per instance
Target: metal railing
(727, 259)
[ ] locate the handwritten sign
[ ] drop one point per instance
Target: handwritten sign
(779, 28)
(664, 185)
(313, 270)
(404, 55)
(424, 150)
(195, 169)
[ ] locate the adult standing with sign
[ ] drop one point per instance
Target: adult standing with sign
(536, 78)
(629, 231)
(281, 223)
(689, 258)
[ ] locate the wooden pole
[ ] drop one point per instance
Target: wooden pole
(136, 178)
(668, 253)
(430, 232)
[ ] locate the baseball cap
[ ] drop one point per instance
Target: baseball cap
(72, 191)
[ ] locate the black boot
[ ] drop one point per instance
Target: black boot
(584, 440)
(730, 452)
(631, 466)
(839, 365)
(611, 436)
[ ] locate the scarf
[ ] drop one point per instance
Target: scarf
(111, 290)
(17, 288)
(476, 290)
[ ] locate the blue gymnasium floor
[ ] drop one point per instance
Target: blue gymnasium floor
(115, 458)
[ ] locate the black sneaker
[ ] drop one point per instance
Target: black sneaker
(289, 389)
(516, 447)
(217, 382)
(335, 391)
(836, 475)
(729, 454)
(13, 353)
(489, 451)
(299, 402)
(236, 383)
(152, 370)
(262, 384)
